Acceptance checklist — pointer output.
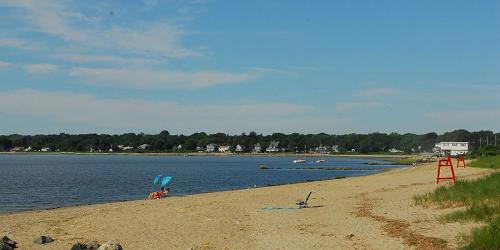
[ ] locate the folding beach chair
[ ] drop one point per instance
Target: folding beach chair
(303, 204)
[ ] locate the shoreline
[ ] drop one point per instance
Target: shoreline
(379, 171)
(363, 212)
(389, 156)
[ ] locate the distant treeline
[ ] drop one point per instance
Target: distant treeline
(165, 142)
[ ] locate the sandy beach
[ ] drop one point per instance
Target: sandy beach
(369, 212)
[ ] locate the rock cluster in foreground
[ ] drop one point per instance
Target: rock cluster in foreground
(7, 244)
(96, 246)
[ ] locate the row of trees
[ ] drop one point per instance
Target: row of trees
(165, 142)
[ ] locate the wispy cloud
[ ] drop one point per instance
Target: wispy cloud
(379, 92)
(18, 43)
(345, 106)
(59, 20)
(83, 109)
(91, 58)
(147, 78)
(40, 68)
(4, 65)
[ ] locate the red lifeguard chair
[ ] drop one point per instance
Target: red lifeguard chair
(445, 163)
(461, 159)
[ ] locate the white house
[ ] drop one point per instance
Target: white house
(239, 148)
(143, 146)
(395, 150)
(212, 147)
(257, 148)
(454, 148)
(45, 149)
(273, 147)
(224, 148)
(335, 148)
(321, 150)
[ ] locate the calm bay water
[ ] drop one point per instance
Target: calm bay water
(47, 181)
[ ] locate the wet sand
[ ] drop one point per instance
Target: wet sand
(368, 212)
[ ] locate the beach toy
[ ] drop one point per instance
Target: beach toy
(166, 180)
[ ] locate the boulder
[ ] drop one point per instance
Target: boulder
(7, 244)
(4, 246)
(43, 240)
(79, 246)
(92, 245)
(110, 246)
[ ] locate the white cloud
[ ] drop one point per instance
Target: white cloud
(345, 106)
(40, 68)
(18, 43)
(90, 58)
(131, 114)
(146, 78)
(146, 39)
(4, 64)
(379, 92)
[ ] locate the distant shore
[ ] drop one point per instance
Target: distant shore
(368, 212)
(218, 154)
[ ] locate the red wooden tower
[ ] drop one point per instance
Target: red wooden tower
(445, 163)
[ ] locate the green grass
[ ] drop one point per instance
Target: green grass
(482, 198)
(476, 212)
(465, 193)
(487, 162)
(403, 161)
(487, 237)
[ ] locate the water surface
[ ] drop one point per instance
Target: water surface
(56, 180)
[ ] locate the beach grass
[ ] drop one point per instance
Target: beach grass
(487, 162)
(464, 192)
(482, 200)
(487, 237)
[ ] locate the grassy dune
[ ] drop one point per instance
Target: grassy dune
(482, 199)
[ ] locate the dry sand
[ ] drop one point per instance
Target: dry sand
(369, 212)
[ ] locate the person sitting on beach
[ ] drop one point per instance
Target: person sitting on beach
(164, 192)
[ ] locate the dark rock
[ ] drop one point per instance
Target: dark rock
(79, 246)
(4, 246)
(43, 240)
(110, 246)
(7, 243)
(92, 245)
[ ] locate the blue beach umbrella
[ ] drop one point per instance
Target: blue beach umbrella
(157, 179)
(166, 180)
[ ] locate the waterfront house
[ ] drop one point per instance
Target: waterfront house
(143, 146)
(321, 150)
(453, 148)
(224, 148)
(45, 149)
(212, 147)
(256, 148)
(273, 147)
(395, 150)
(335, 148)
(239, 148)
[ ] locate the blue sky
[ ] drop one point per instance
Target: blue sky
(237, 66)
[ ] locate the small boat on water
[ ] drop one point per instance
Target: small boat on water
(320, 161)
(301, 160)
